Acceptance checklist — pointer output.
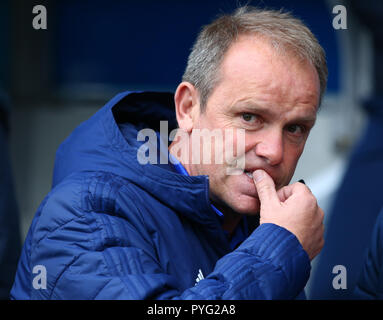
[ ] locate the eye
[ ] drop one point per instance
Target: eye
(248, 117)
(250, 121)
(296, 129)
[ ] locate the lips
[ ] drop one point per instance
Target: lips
(249, 174)
(249, 171)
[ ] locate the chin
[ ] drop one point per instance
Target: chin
(247, 206)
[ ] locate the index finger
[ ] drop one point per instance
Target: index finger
(265, 188)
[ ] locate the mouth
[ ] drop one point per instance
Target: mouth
(249, 186)
(249, 174)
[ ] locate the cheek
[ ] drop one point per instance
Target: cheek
(291, 157)
(293, 153)
(234, 145)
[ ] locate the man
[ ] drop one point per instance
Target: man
(115, 227)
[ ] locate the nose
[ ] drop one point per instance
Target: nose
(269, 146)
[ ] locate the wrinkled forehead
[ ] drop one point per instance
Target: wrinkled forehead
(252, 66)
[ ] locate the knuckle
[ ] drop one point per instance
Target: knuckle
(313, 199)
(311, 204)
(300, 187)
(307, 194)
(305, 188)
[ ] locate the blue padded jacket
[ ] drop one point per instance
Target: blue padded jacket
(112, 228)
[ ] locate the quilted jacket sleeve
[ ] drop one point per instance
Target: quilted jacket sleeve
(86, 259)
(270, 264)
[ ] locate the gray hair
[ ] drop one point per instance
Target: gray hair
(282, 30)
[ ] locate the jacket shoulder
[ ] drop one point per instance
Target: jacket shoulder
(84, 196)
(80, 218)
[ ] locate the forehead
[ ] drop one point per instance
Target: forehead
(252, 69)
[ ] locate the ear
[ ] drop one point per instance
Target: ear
(186, 100)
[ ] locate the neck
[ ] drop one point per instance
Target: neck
(231, 218)
(179, 149)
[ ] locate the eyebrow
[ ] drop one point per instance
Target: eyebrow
(251, 106)
(254, 107)
(307, 119)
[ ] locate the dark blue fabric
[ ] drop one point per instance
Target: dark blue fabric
(112, 228)
(353, 215)
(240, 233)
(181, 170)
(10, 240)
(370, 283)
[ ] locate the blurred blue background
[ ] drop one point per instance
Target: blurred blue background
(145, 44)
(57, 78)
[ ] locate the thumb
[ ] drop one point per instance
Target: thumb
(265, 188)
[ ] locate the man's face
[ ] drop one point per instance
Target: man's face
(274, 98)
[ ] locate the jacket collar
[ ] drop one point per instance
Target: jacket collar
(187, 195)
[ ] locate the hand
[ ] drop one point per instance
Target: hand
(294, 208)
